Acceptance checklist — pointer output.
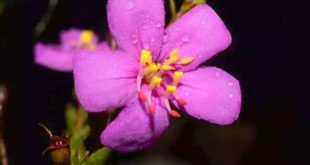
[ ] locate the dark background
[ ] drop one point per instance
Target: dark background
(268, 56)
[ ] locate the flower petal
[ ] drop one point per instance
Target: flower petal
(103, 46)
(104, 79)
(211, 94)
(200, 34)
(135, 128)
(137, 24)
(53, 57)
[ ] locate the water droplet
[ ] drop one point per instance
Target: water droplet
(185, 38)
(130, 4)
(122, 124)
(217, 74)
(230, 96)
(135, 41)
(166, 38)
(146, 46)
(230, 84)
(144, 27)
(152, 39)
(158, 25)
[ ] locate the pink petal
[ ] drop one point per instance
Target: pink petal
(53, 57)
(103, 46)
(104, 79)
(135, 128)
(137, 24)
(200, 33)
(211, 94)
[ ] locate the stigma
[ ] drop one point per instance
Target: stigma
(162, 80)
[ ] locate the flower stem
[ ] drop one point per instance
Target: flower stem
(172, 9)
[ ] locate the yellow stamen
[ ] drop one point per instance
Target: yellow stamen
(170, 89)
(167, 67)
(177, 76)
(87, 37)
(155, 81)
(174, 52)
(173, 59)
(146, 57)
(185, 61)
(151, 68)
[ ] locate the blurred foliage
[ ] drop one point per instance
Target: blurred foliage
(188, 4)
(98, 157)
(185, 7)
(79, 130)
(1, 6)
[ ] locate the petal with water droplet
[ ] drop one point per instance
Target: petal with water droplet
(139, 18)
(209, 97)
(197, 40)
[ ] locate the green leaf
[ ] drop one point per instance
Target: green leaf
(71, 117)
(78, 137)
(98, 157)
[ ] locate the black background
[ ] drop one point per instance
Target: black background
(268, 56)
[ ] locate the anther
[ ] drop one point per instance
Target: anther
(185, 61)
(146, 57)
(174, 113)
(166, 67)
(174, 52)
(87, 36)
(170, 89)
(173, 59)
(155, 81)
(176, 77)
(151, 68)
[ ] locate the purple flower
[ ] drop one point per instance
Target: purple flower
(59, 57)
(154, 68)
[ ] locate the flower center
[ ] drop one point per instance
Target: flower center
(87, 40)
(162, 78)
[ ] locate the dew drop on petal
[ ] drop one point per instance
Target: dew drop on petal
(130, 4)
(146, 46)
(185, 38)
(144, 27)
(158, 25)
(217, 74)
(230, 84)
(135, 41)
(166, 38)
(230, 96)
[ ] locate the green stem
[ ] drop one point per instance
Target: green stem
(172, 9)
